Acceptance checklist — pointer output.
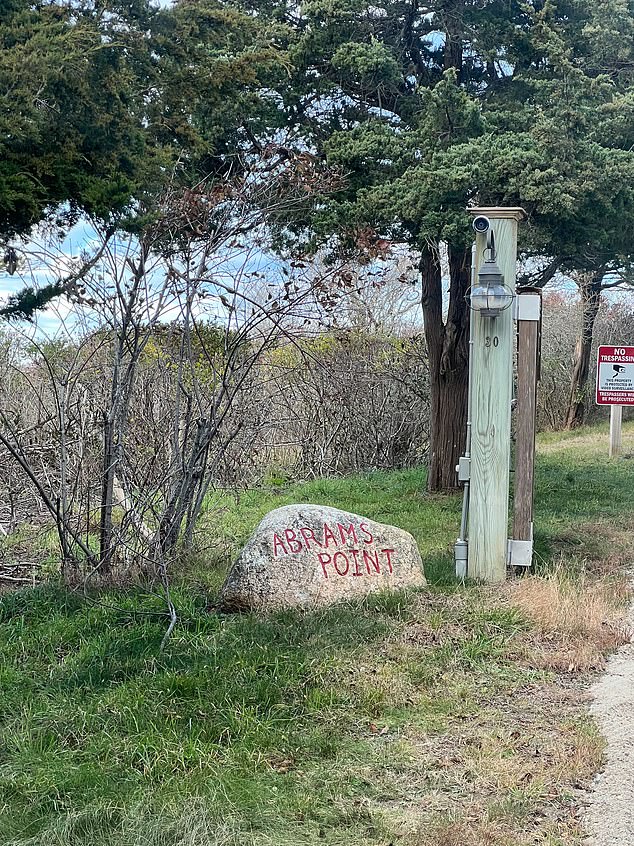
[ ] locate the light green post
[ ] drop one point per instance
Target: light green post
(491, 394)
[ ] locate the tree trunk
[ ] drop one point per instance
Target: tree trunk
(183, 494)
(106, 507)
(590, 291)
(451, 18)
(448, 354)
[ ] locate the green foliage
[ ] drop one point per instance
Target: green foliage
(217, 72)
(504, 103)
(69, 120)
(370, 63)
(295, 728)
(24, 304)
(101, 107)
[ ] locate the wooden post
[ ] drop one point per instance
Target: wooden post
(492, 370)
(616, 418)
(528, 312)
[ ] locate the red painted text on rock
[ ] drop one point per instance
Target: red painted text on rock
(343, 550)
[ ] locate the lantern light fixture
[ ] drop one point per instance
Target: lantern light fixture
(490, 296)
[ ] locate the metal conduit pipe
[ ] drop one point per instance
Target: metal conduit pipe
(461, 547)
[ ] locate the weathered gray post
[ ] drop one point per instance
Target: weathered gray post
(528, 338)
(616, 427)
(492, 351)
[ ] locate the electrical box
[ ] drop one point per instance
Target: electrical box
(520, 553)
(464, 469)
(529, 307)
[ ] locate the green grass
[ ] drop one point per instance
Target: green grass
(329, 727)
(262, 725)
(577, 485)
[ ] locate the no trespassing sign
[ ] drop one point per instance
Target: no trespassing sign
(615, 376)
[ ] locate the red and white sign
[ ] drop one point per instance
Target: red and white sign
(615, 376)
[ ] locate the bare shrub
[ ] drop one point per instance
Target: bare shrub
(561, 321)
(559, 317)
(181, 365)
(345, 402)
(120, 426)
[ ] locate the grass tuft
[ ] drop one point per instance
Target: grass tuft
(579, 615)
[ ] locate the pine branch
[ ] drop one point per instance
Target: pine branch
(28, 301)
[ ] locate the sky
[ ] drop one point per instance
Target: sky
(43, 260)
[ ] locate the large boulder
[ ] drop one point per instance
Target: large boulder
(303, 556)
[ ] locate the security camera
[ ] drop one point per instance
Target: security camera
(481, 224)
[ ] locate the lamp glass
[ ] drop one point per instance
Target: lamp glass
(490, 300)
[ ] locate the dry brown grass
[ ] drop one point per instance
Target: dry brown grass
(484, 832)
(506, 777)
(587, 441)
(508, 762)
(578, 618)
(505, 766)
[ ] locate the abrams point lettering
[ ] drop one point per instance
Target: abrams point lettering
(305, 556)
(342, 551)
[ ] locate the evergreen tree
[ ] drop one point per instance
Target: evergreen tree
(427, 109)
(71, 138)
(103, 105)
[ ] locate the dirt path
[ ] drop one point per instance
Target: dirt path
(609, 817)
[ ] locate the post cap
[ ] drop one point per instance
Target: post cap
(498, 212)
